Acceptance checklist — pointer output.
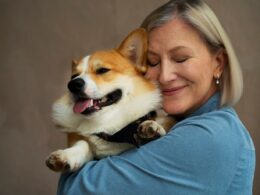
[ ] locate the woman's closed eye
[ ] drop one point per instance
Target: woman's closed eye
(181, 60)
(152, 64)
(180, 55)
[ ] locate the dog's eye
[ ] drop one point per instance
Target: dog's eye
(74, 76)
(102, 70)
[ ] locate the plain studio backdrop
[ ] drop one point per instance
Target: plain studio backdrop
(38, 41)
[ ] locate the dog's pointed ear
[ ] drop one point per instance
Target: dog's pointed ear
(134, 47)
(74, 64)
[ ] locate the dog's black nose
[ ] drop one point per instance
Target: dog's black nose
(76, 85)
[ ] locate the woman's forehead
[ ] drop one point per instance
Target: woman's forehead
(174, 35)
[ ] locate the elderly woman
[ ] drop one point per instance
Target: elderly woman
(209, 151)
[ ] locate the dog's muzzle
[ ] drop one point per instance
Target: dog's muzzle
(84, 104)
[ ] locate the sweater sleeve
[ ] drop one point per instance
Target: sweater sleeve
(193, 158)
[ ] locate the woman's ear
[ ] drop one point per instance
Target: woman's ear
(134, 47)
(221, 61)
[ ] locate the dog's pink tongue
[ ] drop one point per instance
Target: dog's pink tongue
(80, 106)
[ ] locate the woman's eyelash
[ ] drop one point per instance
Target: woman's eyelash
(152, 64)
(177, 60)
(181, 60)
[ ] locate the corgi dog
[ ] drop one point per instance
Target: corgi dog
(110, 106)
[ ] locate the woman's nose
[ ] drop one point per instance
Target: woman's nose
(167, 73)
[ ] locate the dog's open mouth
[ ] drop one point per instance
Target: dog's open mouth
(85, 105)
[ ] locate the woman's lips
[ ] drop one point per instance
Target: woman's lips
(173, 91)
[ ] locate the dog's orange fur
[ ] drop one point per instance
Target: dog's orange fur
(127, 66)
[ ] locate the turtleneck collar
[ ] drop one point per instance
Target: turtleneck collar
(211, 105)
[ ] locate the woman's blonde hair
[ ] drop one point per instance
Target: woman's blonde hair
(202, 18)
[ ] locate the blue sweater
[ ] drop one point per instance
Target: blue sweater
(209, 152)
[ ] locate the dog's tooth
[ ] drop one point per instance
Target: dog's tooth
(97, 107)
(91, 103)
(104, 99)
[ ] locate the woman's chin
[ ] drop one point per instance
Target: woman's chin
(174, 109)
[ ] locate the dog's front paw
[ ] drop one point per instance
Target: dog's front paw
(63, 160)
(57, 161)
(147, 131)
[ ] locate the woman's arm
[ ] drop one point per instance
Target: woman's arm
(191, 159)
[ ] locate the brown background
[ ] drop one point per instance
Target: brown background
(38, 40)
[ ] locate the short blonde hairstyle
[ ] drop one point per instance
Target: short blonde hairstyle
(198, 14)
